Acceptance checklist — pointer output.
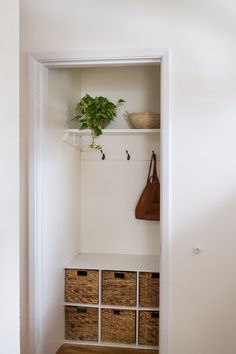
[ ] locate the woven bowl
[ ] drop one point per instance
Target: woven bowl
(144, 120)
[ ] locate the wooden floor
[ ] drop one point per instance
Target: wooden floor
(86, 349)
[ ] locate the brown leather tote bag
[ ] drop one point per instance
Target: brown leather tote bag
(148, 207)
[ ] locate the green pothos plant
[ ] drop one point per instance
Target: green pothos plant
(94, 114)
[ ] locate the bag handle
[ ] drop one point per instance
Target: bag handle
(150, 167)
(152, 177)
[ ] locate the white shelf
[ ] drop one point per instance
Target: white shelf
(78, 132)
(120, 262)
(113, 307)
(116, 345)
(81, 305)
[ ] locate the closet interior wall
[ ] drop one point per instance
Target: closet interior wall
(90, 203)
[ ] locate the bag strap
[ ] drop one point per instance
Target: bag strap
(152, 176)
(150, 167)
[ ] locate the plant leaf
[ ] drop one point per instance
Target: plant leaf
(84, 126)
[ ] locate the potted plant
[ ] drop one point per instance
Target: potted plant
(95, 114)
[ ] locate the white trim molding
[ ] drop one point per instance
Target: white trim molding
(39, 63)
(165, 280)
(37, 114)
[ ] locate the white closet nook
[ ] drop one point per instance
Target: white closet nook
(91, 261)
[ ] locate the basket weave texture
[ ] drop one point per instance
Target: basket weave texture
(119, 288)
(118, 326)
(81, 286)
(81, 323)
(144, 120)
(148, 328)
(149, 289)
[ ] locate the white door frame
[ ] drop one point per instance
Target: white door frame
(38, 82)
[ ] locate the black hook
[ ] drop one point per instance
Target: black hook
(128, 155)
(103, 155)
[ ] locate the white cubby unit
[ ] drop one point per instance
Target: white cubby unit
(82, 201)
(118, 263)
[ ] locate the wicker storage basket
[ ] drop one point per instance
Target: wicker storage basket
(148, 328)
(81, 286)
(119, 288)
(118, 326)
(144, 120)
(149, 285)
(81, 323)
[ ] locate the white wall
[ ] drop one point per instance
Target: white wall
(9, 187)
(114, 228)
(61, 239)
(138, 86)
(201, 36)
(110, 190)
